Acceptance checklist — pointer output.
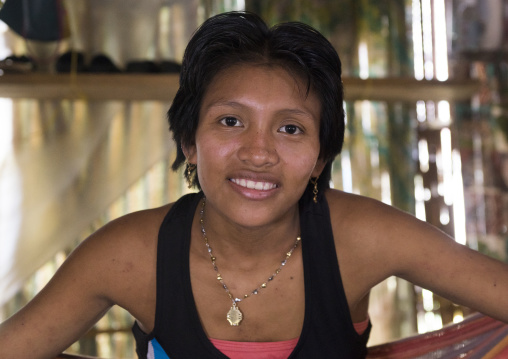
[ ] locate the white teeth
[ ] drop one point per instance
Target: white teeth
(260, 186)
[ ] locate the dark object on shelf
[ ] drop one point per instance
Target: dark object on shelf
(168, 66)
(147, 66)
(103, 64)
(142, 67)
(70, 59)
(16, 64)
(41, 20)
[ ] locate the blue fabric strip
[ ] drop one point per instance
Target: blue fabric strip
(158, 352)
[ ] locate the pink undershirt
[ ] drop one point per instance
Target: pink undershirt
(267, 350)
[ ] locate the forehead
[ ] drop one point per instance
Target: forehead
(268, 84)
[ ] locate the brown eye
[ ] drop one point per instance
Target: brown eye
(230, 121)
(290, 129)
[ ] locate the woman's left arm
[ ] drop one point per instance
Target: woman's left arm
(427, 257)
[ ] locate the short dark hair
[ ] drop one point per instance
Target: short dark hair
(241, 38)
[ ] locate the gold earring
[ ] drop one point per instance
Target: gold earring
(315, 190)
(190, 169)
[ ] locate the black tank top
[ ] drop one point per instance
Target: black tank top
(327, 332)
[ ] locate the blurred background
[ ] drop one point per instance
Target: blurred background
(85, 85)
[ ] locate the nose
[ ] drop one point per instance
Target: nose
(258, 149)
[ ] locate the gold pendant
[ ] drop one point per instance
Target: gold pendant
(234, 316)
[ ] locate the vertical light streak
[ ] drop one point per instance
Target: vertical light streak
(6, 127)
(421, 111)
(420, 198)
(366, 118)
(386, 191)
(417, 40)
(344, 106)
(423, 154)
(443, 111)
(446, 158)
(240, 5)
(458, 317)
(444, 215)
(441, 48)
(347, 176)
(363, 59)
(4, 50)
(234, 5)
(427, 40)
(428, 300)
(11, 196)
(459, 209)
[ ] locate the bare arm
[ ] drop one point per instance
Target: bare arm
(105, 269)
(386, 242)
(435, 261)
(63, 311)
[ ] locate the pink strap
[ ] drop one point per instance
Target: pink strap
(254, 350)
(362, 326)
(268, 350)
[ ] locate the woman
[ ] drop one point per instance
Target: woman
(250, 264)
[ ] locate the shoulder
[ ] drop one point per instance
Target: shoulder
(130, 232)
(369, 235)
(356, 214)
(366, 217)
(385, 241)
(120, 255)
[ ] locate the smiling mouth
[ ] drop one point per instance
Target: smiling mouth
(260, 186)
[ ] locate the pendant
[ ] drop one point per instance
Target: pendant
(234, 316)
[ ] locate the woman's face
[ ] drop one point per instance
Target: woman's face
(257, 143)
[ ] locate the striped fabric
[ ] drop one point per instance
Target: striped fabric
(476, 337)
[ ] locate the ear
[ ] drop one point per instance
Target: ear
(318, 168)
(190, 153)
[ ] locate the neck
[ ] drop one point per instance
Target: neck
(231, 240)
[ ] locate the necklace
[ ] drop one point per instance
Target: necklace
(234, 315)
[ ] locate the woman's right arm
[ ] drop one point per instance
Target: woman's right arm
(64, 310)
(101, 272)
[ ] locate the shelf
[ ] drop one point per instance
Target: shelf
(140, 87)
(163, 87)
(409, 89)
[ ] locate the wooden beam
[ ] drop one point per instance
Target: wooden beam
(163, 87)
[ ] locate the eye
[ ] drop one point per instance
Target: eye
(230, 121)
(291, 129)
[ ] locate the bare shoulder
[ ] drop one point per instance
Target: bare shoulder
(375, 241)
(367, 234)
(115, 265)
(128, 234)
(361, 216)
(360, 225)
(123, 252)
(381, 235)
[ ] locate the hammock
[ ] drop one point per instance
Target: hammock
(476, 337)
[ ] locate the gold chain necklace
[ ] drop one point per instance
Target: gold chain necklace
(234, 315)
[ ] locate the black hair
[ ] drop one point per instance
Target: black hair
(241, 38)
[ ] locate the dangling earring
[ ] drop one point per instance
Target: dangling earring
(315, 190)
(190, 173)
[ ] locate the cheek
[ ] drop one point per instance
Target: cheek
(301, 160)
(211, 152)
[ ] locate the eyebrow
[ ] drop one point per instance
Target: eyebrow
(238, 105)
